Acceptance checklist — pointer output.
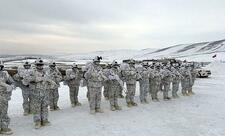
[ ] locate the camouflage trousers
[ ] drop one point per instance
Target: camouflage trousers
(113, 94)
(166, 89)
(175, 88)
(186, 85)
(144, 89)
(4, 118)
(95, 97)
(53, 98)
(155, 87)
(106, 89)
(74, 90)
(131, 88)
(26, 93)
(40, 105)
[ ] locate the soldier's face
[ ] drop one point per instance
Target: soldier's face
(27, 66)
(40, 67)
(97, 62)
(52, 67)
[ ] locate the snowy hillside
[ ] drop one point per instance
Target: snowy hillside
(108, 55)
(194, 52)
(198, 115)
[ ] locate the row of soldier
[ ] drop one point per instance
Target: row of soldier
(40, 85)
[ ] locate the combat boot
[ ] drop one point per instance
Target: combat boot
(37, 124)
(99, 110)
(167, 98)
(146, 102)
(6, 131)
(133, 103)
(129, 104)
(57, 108)
(185, 94)
(73, 105)
(121, 96)
(78, 104)
(118, 107)
(155, 100)
(45, 123)
(113, 108)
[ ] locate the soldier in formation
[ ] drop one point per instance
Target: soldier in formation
(6, 87)
(39, 85)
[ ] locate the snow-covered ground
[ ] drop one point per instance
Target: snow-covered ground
(200, 115)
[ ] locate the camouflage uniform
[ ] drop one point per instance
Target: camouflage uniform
(193, 75)
(155, 84)
(186, 81)
(166, 81)
(5, 94)
(56, 76)
(95, 78)
(175, 82)
(21, 79)
(144, 84)
(40, 94)
(73, 77)
(115, 85)
(131, 76)
(106, 89)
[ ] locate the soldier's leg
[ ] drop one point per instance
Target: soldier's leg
(142, 92)
(92, 97)
(44, 111)
(26, 101)
(183, 90)
(88, 94)
(106, 90)
(133, 90)
(5, 120)
(98, 100)
(111, 97)
(56, 99)
(77, 103)
(51, 99)
(128, 95)
(36, 109)
(166, 91)
(72, 95)
(146, 90)
(175, 88)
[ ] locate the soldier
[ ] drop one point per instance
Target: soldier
(156, 81)
(193, 75)
(21, 76)
(186, 81)
(144, 82)
(56, 76)
(166, 80)
(95, 78)
(115, 85)
(40, 94)
(6, 87)
(131, 76)
(176, 79)
(73, 78)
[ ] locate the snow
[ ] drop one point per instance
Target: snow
(200, 115)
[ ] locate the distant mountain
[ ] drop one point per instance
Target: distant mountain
(197, 51)
(203, 51)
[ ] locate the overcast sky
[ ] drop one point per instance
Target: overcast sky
(76, 26)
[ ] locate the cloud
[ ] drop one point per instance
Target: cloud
(73, 26)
